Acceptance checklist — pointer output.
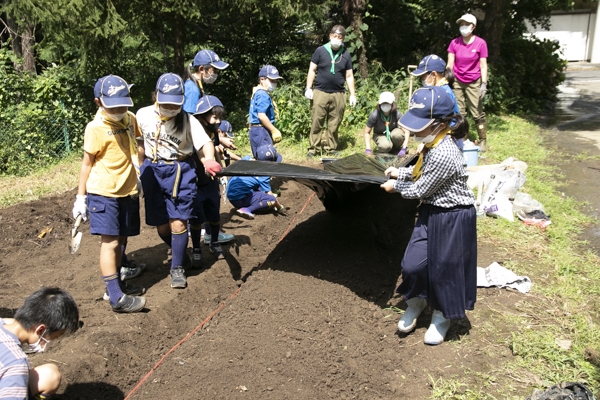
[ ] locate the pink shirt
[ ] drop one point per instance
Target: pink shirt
(466, 63)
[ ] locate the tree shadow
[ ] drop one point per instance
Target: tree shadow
(91, 391)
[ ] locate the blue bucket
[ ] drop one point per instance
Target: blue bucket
(471, 155)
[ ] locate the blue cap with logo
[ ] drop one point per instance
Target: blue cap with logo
(169, 89)
(206, 103)
(430, 63)
(112, 91)
(226, 128)
(209, 57)
(270, 72)
(267, 152)
(427, 104)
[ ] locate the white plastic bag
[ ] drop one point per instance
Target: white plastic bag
(526, 203)
(495, 201)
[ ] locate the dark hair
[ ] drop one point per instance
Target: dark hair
(180, 124)
(52, 307)
(191, 69)
(458, 124)
(338, 29)
(392, 111)
(449, 75)
(217, 111)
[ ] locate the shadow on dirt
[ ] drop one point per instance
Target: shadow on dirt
(91, 391)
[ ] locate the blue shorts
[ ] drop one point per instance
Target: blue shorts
(259, 136)
(114, 216)
(169, 190)
(208, 202)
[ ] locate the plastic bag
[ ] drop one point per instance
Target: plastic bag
(524, 202)
(495, 202)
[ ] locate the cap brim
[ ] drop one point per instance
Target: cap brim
(116, 102)
(274, 77)
(418, 72)
(219, 64)
(169, 99)
(414, 123)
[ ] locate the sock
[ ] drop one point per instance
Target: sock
(166, 239)
(215, 228)
(207, 228)
(179, 241)
(124, 260)
(113, 288)
(195, 231)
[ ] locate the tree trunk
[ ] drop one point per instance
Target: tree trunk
(179, 45)
(27, 47)
(496, 13)
(363, 70)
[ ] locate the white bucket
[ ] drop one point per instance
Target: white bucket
(471, 155)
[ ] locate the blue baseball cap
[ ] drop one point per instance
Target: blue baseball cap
(270, 72)
(226, 128)
(267, 152)
(427, 104)
(113, 91)
(209, 57)
(430, 63)
(206, 103)
(169, 89)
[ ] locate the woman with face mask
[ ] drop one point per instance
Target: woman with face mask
(439, 267)
(467, 58)
(262, 112)
(203, 70)
(387, 134)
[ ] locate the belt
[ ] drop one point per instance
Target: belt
(256, 125)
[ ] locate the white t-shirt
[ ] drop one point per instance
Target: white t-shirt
(172, 145)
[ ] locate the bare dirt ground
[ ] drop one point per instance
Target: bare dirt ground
(297, 310)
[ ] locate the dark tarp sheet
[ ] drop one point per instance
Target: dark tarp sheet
(335, 183)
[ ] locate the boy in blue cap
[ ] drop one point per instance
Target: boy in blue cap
(440, 263)
(250, 194)
(171, 136)
(201, 71)
(262, 110)
(226, 139)
(108, 182)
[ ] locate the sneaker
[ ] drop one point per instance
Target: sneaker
(196, 258)
(281, 210)
(216, 249)
(131, 272)
(223, 237)
(129, 304)
(245, 213)
(178, 279)
(130, 290)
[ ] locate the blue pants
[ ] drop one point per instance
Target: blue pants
(169, 190)
(208, 203)
(255, 201)
(259, 136)
(440, 263)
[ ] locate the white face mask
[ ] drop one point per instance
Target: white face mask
(426, 81)
(271, 86)
(211, 78)
(115, 117)
(37, 347)
(167, 113)
(427, 139)
(465, 30)
(386, 108)
(335, 43)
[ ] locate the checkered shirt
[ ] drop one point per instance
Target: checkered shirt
(443, 182)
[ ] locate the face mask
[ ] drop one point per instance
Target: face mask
(465, 30)
(271, 86)
(426, 81)
(164, 112)
(114, 117)
(211, 78)
(335, 43)
(386, 108)
(37, 347)
(427, 139)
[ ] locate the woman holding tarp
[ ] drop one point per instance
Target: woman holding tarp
(440, 263)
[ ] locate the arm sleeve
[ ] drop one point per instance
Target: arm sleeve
(436, 171)
(262, 101)
(372, 120)
(192, 95)
(199, 136)
(14, 384)
(264, 183)
(483, 50)
(315, 57)
(90, 140)
(451, 48)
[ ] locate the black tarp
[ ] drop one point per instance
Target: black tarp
(335, 183)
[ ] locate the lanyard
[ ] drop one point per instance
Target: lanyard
(159, 123)
(333, 58)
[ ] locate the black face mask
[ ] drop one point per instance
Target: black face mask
(213, 128)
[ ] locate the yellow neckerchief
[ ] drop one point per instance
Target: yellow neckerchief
(418, 169)
(261, 87)
(160, 120)
(442, 82)
(124, 124)
(199, 82)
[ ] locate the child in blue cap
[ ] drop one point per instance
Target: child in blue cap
(250, 194)
(171, 136)
(440, 263)
(262, 110)
(108, 182)
(203, 70)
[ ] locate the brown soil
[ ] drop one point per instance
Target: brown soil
(298, 308)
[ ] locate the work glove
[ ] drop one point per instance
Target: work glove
(352, 100)
(80, 207)
(276, 135)
(482, 90)
(211, 167)
(368, 152)
(308, 93)
(402, 152)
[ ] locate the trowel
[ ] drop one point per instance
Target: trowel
(75, 236)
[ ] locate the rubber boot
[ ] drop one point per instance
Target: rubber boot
(481, 132)
(407, 323)
(437, 330)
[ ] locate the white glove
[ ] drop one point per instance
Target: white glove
(308, 93)
(352, 100)
(80, 207)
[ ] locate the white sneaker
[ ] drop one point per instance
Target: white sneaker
(416, 305)
(437, 330)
